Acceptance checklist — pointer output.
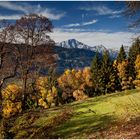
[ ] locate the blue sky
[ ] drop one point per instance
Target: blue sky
(92, 23)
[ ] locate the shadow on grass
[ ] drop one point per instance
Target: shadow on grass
(84, 125)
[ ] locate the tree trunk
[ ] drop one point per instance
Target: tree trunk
(1, 84)
(0, 100)
(24, 92)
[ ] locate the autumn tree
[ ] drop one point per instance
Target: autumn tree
(34, 46)
(122, 55)
(8, 64)
(8, 55)
(74, 84)
(137, 68)
(125, 79)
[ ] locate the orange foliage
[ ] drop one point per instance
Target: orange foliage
(123, 75)
(137, 68)
(11, 100)
(46, 93)
(73, 82)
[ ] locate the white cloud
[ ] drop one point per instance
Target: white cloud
(26, 9)
(90, 22)
(81, 24)
(13, 6)
(72, 25)
(50, 14)
(9, 17)
(101, 10)
(108, 39)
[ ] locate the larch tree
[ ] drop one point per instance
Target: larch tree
(137, 68)
(125, 79)
(35, 48)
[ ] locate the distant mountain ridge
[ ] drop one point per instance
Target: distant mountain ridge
(75, 54)
(74, 44)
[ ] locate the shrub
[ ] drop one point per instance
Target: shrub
(46, 94)
(11, 104)
(79, 95)
(72, 81)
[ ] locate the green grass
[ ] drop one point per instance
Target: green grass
(98, 113)
(89, 116)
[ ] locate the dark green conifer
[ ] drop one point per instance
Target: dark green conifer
(133, 52)
(95, 70)
(114, 81)
(105, 72)
(122, 55)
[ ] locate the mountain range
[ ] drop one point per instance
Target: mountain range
(75, 54)
(74, 44)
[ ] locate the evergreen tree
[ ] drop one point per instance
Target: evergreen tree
(122, 55)
(117, 81)
(95, 70)
(105, 72)
(133, 52)
(114, 83)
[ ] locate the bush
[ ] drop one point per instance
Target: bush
(12, 103)
(46, 94)
(79, 95)
(72, 81)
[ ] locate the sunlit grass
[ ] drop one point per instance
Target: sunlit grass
(89, 116)
(98, 113)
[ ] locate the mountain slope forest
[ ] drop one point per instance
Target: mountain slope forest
(88, 102)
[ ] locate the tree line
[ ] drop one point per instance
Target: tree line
(121, 74)
(26, 48)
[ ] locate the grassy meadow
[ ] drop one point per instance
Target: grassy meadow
(109, 116)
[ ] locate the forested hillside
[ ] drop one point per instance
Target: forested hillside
(68, 91)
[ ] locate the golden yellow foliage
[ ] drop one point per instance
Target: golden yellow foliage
(123, 75)
(115, 64)
(11, 100)
(72, 80)
(46, 93)
(79, 95)
(137, 68)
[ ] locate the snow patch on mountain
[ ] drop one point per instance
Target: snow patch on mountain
(73, 43)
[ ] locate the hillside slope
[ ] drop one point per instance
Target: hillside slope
(110, 116)
(102, 117)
